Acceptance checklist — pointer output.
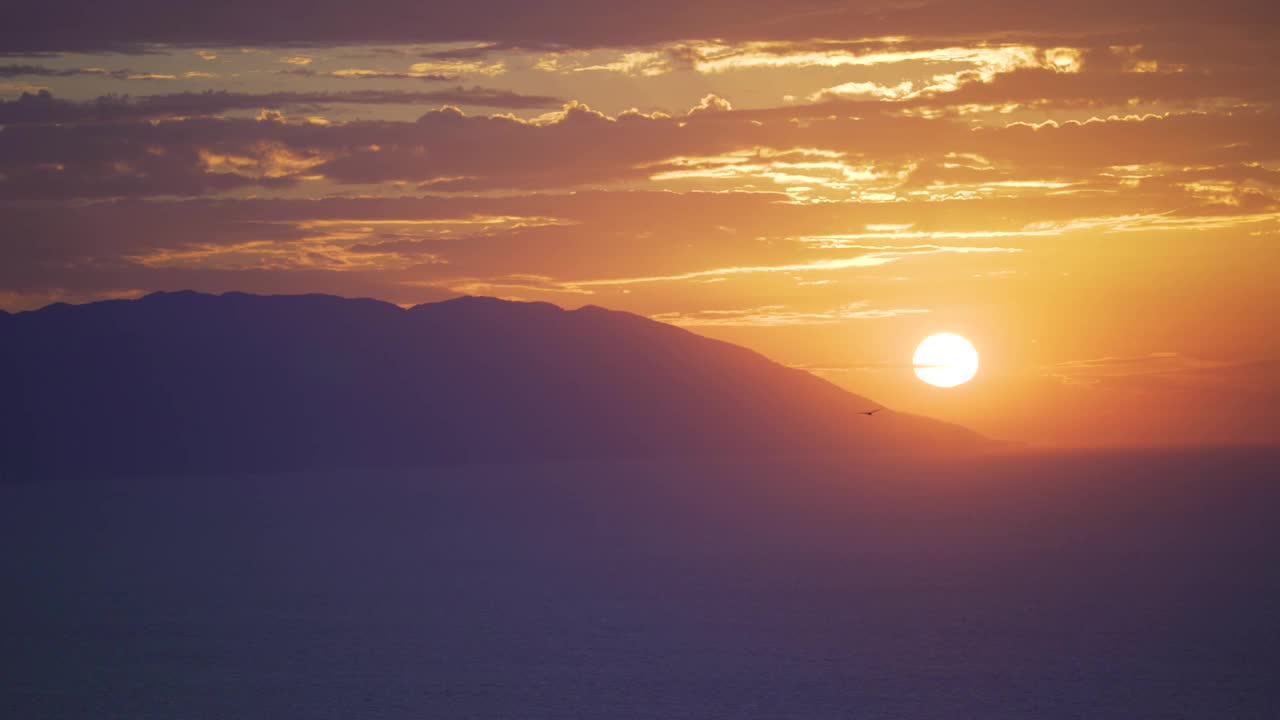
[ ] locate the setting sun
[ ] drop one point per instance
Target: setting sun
(945, 360)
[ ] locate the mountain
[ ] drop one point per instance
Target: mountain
(177, 383)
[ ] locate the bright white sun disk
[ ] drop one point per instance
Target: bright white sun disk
(946, 360)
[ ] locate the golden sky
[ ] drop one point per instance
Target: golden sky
(1088, 192)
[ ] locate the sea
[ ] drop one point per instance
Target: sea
(1081, 584)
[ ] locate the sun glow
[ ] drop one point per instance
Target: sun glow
(945, 360)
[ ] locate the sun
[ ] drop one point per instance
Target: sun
(946, 360)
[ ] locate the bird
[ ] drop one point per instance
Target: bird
(871, 412)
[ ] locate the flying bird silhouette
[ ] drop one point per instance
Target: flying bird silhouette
(871, 412)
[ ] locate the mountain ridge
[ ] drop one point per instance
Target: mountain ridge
(186, 382)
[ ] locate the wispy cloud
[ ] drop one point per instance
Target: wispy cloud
(44, 108)
(875, 256)
(781, 315)
(1165, 364)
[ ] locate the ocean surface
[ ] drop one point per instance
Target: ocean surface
(1083, 585)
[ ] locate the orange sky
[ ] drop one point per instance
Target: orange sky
(1089, 196)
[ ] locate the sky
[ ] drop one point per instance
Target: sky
(1088, 191)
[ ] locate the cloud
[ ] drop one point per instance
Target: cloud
(1038, 87)
(12, 71)
(781, 315)
(858, 90)
(44, 108)
(627, 62)
(813, 158)
(875, 256)
(1166, 365)
(458, 66)
(367, 74)
(986, 59)
(1170, 372)
(535, 241)
(837, 369)
(578, 146)
(133, 26)
(125, 74)
(478, 51)
(711, 103)
(572, 235)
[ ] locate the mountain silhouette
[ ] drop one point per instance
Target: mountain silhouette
(193, 383)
